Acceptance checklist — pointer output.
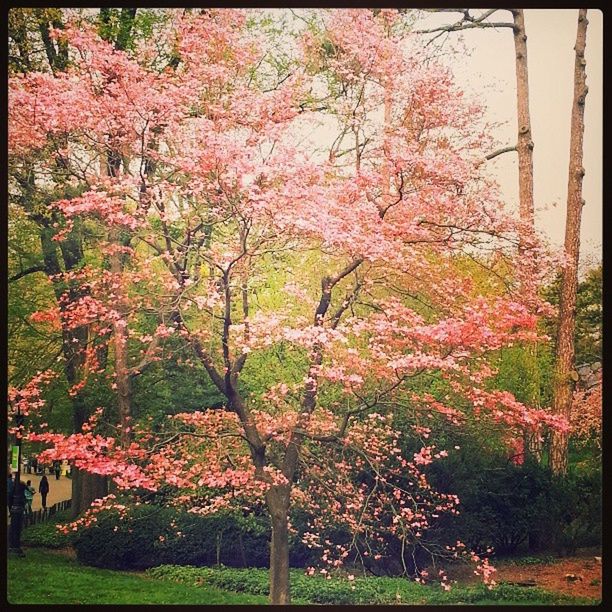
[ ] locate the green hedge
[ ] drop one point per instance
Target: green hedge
(150, 535)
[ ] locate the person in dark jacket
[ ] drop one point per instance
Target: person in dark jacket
(9, 491)
(43, 489)
(18, 503)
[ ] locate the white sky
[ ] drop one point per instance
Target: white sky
(551, 35)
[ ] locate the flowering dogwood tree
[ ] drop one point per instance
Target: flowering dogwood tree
(218, 212)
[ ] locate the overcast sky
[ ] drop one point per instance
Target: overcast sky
(551, 35)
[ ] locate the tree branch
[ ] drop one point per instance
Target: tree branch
(30, 270)
(462, 25)
(147, 358)
(500, 152)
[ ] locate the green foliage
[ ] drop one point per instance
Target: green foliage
(525, 371)
(506, 506)
(267, 367)
(575, 511)
(115, 25)
(114, 543)
(589, 315)
(361, 590)
(173, 386)
(43, 577)
(46, 535)
(315, 589)
(542, 560)
(150, 535)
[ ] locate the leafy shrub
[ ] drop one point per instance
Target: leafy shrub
(507, 506)
(150, 535)
(45, 535)
(226, 538)
(575, 511)
(545, 560)
(113, 543)
(315, 589)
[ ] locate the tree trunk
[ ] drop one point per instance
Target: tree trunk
(278, 505)
(565, 353)
(86, 488)
(532, 442)
(122, 374)
(524, 144)
(524, 147)
(245, 563)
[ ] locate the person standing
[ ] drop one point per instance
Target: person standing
(29, 492)
(9, 491)
(57, 469)
(43, 489)
(17, 500)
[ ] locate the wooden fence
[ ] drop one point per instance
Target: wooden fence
(40, 516)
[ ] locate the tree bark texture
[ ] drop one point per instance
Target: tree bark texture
(524, 140)
(524, 147)
(278, 506)
(565, 351)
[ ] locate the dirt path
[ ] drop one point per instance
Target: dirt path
(579, 576)
(576, 576)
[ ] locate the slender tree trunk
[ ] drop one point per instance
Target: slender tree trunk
(524, 144)
(278, 505)
(524, 147)
(86, 487)
(120, 338)
(565, 354)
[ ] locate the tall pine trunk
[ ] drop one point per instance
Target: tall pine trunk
(524, 147)
(565, 352)
(524, 144)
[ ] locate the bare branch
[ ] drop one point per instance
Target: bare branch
(30, 270)
(462, 25)
(500, 152)
(147, 358)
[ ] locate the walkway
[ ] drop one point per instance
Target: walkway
(59, 490)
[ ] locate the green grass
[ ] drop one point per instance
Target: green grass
(44, 577)
(48, 577)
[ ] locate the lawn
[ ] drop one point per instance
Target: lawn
(46, 577)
